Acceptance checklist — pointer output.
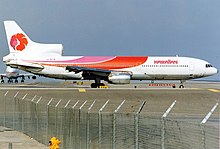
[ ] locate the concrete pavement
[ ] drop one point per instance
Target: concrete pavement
(18, 140)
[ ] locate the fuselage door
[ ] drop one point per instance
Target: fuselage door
(191, 66)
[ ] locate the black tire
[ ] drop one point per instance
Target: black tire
(93, 85)
(181, 86)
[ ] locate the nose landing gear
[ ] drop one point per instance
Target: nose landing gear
(182, 83)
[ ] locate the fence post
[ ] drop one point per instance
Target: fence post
(137, 124)
(163, 119)
(114, 125)
(5, 108)
(202, 124)
(100, 123)
(80, 124)
(14, 109)
(38, 116)
(23, 112)
(73, 129)
(32, 100)
(56, 119)
(66, 119)
(48, 104)
(10, 145)
(88, 124)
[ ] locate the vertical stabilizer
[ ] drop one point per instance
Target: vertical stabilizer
(17, 39)
(19, 42)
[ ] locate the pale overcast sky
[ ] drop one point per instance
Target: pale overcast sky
(120, 27)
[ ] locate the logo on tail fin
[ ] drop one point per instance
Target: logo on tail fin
(18, 42)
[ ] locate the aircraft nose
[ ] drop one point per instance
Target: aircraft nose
(212, 71)
(215, 70)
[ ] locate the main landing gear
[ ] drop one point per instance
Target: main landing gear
(10, 81)
(181, 83)
(94, 85)
(97, 83)
(16, 81)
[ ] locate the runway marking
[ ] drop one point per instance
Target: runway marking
(196, 88)
(214, 90)
(82, 90)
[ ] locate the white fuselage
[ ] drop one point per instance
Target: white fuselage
(172, 68)
(154, 68)
(12, 73)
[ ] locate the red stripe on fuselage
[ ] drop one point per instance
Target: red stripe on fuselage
(118, 62)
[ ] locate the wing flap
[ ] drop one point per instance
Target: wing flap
(85, 70)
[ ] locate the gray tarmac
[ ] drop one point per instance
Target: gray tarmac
(18, 140)
(192, 103)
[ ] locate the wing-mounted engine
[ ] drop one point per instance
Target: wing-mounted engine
(114, 77)
(119, 77)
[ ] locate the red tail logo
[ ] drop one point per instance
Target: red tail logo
(18, 42)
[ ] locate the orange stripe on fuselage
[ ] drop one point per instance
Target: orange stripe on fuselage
(118, 62)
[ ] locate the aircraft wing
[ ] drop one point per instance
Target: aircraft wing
(112, 76)
(89, 71)
(3, 76)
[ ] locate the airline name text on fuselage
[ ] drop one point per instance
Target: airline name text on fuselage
(166, 61)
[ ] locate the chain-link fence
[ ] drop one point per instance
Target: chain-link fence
(82, 124)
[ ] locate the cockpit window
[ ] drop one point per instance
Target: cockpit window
(208, 65)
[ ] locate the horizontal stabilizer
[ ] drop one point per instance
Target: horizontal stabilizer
(25, 66)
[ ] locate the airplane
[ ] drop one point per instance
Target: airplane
(48, 60)
(12, 73)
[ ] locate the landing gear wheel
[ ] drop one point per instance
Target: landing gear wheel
(181, 86)
(182, 83)
(10, 81)
(93, 85)
(16, 81)
(2, 81)
(173, 86)
(22, 81)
